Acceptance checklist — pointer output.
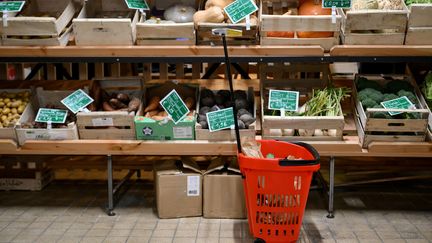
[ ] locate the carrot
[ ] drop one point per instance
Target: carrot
(162, 113)
(134, 104)
(151, 113)
(153, 104)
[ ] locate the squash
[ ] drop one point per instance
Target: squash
(179, 13)
(282, 34)
(218, 3)
(313, 8)
(212, 15)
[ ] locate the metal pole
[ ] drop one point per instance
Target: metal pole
(228, 69)
(110, 187)
(331, 188)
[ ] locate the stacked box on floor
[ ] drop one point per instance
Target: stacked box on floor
(117, 124)
(226, 135)
(17, 175)
(303, 78)
(374, 26)
(157, 31)
(178, 189)
(223, 191)
(376, 124)
(106, 22)
(278, 28)
(41, 22)
(46, 99)
(419, 30)
(156, 125)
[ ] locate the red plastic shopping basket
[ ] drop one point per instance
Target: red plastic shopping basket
(277, 189)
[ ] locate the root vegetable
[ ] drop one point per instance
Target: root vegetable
(211, 15)
(190, 102)
(162, 113)
(151, 113)
(134, 104)
(123, 98)
(107, 107)
(288, 132)
(153, 104)
(115, 103)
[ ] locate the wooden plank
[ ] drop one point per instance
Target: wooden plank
(167, 51)
(420, 15)
(419, 36)
(385, 50)
(3, 71)
(83, 71)
(166, 34)
(51, 71)
(61, 40)
(180, 70)
(115, 70)
(163, 70)
(147, 72)
(99, 70)
(196, 70)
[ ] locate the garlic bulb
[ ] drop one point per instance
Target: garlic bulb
(179, 13)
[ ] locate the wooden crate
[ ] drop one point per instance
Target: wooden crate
(227, 135)
(44, 98)
(419, 30)
(30, 176)
(116, 124)
(396, 130)
(272, 19)
(106, 22)
(9, 132)
(356, 23)
(30, 27)
(303, 78)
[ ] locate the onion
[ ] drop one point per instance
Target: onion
(179, 13)
(288, 132)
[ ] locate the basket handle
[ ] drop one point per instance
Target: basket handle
(312, 150)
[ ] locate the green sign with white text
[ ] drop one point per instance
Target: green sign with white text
(51, 115)
(13, 6)
(137, 4)
(77, 101)
(174, 106)
(239, 9)
(336, 3)
(283, 99)
(221, 119)
(399, 103)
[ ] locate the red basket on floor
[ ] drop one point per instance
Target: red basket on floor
(277, 189)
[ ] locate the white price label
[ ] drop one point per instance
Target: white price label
(193, 186)
(182, 132)
(103, 122)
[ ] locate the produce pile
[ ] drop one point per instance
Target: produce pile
(178, 13)
(371, 94)
(119, 102)
(377, 4)
(427, 89)
(213, 13)
(307, 7)
(42, 125)
(324, 102)
(213, 101)
(155, 111)
(12, 106)
(409, 2)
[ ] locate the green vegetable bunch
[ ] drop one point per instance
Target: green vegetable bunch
(427, 88)
(409, 2)
(326, 102)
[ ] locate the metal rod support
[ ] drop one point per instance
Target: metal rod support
(124, 180)
(110, 187)
(331, 188)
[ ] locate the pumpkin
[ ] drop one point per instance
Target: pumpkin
(313, 8)
(211, 15)
(179, 13)
(282, 34)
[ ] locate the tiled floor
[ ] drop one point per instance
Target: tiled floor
(73, 212)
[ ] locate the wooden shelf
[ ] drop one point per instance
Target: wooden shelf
(349, 147)
(378, 50)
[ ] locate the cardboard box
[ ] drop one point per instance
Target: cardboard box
(178, 189)
(223, 191)
(150, 129)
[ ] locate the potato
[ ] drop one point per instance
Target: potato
(6, 111)
(14, 111)
(7, 100)
(2, 104)
(21, 109)
(3, 118)
(16, 104)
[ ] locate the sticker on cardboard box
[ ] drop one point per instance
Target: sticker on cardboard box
(182, 132)
(193, 186)
(103, 122)
(46, 135)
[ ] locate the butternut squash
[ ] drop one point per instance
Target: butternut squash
(219, 3)
(212, 15)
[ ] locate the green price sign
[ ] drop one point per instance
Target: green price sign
(283, 99)
(137, 4)
(399, 103)
(77, 101)
(239, 9)
(13, 6)
(221, 119)
(174, 106)
(336, 3)
(51, 115)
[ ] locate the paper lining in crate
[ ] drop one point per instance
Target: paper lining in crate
(8, 132)
(112, 124)
(273, 19)
(227, 135)
(106, 22)
(373, 124)
(46, 98)
(155, 31)
(374, 26)
(17, 175)
(241, 34)
(302, 78)
(419, 30)
(41, 22)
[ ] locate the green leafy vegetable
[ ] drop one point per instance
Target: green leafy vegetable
(409, 2)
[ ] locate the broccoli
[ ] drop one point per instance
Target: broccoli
(371, 94)
(388, 96)
(427, 88)
(396, 85)
(368, 103)
(381, 114)
(364, 83)
(409, 95)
